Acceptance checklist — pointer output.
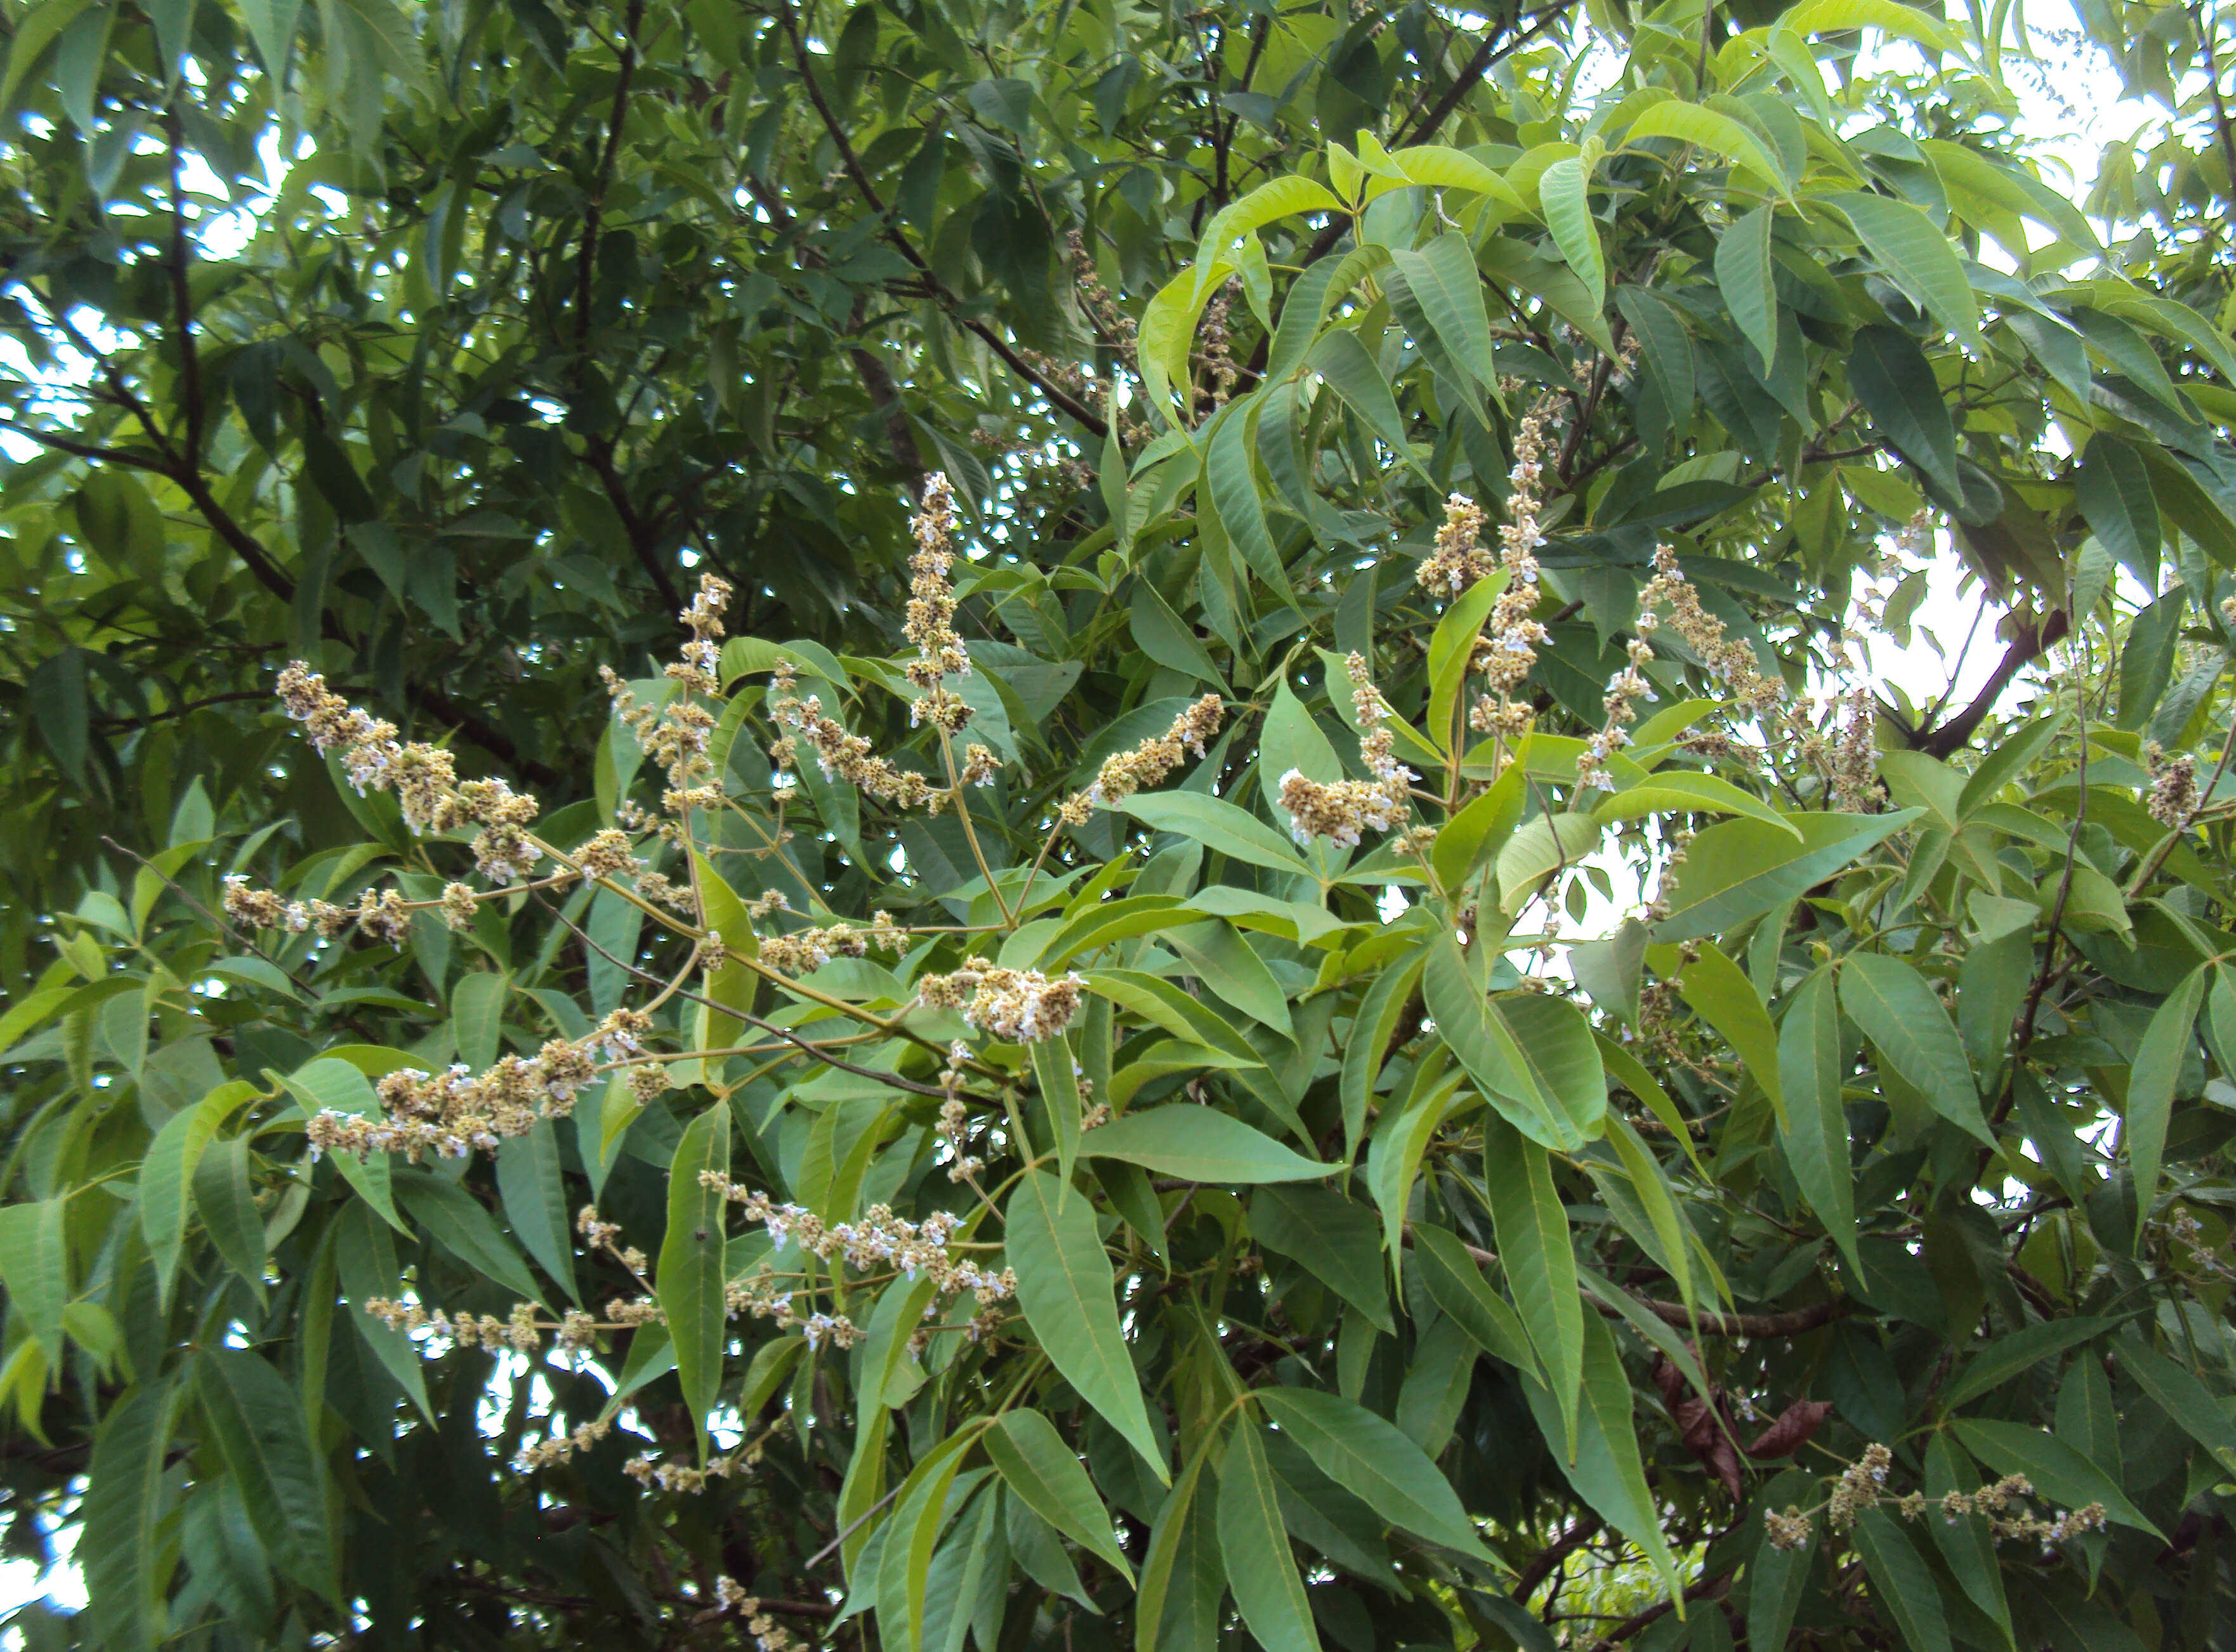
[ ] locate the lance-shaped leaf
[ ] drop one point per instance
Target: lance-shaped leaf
(1912, 1032)
(1540, 1266)
(690, 1282)
(1814, 1133)
(2151, 1085)
(1254, 1543)
(1532, 1056)
(1044, 1472)
(1199, 1144)
(1065, 1287)
(1372, 1460)
(258, 1422)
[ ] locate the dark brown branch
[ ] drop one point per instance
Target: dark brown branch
(594, 209)
(182, 299)
(2030, 645)
(1059, 398)
(642, 540)
(1542, 1568)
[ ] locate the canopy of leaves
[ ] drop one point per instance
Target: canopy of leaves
(1340, 1085)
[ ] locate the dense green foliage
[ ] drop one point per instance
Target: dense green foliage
(1333, 1146)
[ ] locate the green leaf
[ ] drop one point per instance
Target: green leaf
(690, 1279)
(226, 1201)
(1889, 16)
(1177, 1605)
(1690, 123)
(1743, 271)
(1814, 1131)
(2007, 1356)
(1480, 830)
(2014, 755)
(1168, 640)
(2058, 1471)
(1531, 1055)
(1681, 792)
(1563, 192)
(1064, 1285)
(364, 1256)
(1449, 288)
(1917, 257)
(2182, 1395)
(259, 1424)
(1199, 1143)
(334, 1085)
(477, 1013)
(1217, 825)
(1541, 1265)
(1368, 1043)
(1162, 1003)
(1372, 1460)
(1965, 1541)
(1902, 1585)
(1741, 869)
(35, 34)
(1055, 1072)
(1896, 385)
(1719, 990)
(1451, 645)
(119, 1543)
(1913, 1034)
(1341, 359)
(385, 37)
(1336, 1240)
(2150, 1082)
(1607, 1472)
(1393, 1159)
(1261, 1571)
(1277, 199)
(1218, 955)
(1460, 1290)
(1545, 846)
(2146, 660)
(531, 1182)
(35, 1266)
(1233, 483)
(2113, 492)
(167, 1175)
(455, 1218)
(1046, 1474)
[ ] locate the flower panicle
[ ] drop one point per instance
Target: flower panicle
(1017, 1006)
(457, 1112)
(1123, 774)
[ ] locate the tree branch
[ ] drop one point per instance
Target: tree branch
(594, 209)
(1059, 398)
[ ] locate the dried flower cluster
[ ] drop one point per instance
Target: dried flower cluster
(931, 622)
(1123, 774)
(840, 755)
(452, 1113)
(1624, 689)
(380, 915)
(1862, 1485)
(2173, 797)
(1727, 659)
(1459, 559)
(804, 952)
(1507, 651)
(1018, 1006)
(1341, 809)
(421, 776)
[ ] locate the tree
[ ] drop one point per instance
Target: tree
(1175, 1134)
